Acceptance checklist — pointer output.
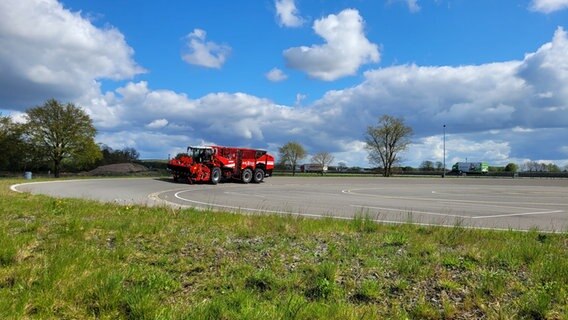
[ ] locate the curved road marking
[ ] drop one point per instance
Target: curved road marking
(14, 187)
(251, 209)
(517, 214)
(177, 196)
(155, 197)
(412, 211)
(492, 203)
(465, 217)
(244, 194)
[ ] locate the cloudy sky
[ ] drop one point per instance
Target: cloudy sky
(159, 76)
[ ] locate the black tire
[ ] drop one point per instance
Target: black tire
(246, 176)
(258, 175)
(216, 175)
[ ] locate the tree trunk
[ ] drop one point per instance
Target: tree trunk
(56, 168)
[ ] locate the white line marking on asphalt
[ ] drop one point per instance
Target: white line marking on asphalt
(497, 204)
(337, 217)
(15, 187)
(244, 194)
(411, 211)
(517, 214)
(460, 216)
(251, 209)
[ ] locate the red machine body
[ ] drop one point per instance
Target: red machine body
(215, 163)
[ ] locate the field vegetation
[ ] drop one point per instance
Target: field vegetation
(77, 259)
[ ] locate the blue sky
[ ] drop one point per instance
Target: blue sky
(159, 77)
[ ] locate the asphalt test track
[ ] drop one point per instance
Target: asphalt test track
(474, 202)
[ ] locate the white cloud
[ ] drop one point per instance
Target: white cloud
(458, 148)
(205, 53)
(522, 130)
(299, 98)
(157, 124)
(276, 75)
(546, 71)
(548, 6)
(287, 13)
(467, 98)
(496, 112)
(234, 119)
(53, 52)
(19, 117)
(345, 50)
(413, 5)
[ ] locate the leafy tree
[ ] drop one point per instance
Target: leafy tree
(60, 132)
(495, 169)
(408, 169)
(439, 166)
(511, 167)
(290, 154)
(386, 141)
(323, 159)
(427, 165)
(111, 156)
(88, 159)
(551, 167)
(14, 151)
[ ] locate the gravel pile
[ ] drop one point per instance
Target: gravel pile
(118, 169)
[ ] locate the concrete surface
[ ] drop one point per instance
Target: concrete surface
(476, 202)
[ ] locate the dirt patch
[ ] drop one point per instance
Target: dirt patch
(118, 168)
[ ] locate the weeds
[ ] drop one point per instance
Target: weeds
(364, 223)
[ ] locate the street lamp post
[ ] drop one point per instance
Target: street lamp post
(444, 172)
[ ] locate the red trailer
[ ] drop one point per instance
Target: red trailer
(215, 163)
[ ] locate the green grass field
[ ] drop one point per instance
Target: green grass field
(76, 259)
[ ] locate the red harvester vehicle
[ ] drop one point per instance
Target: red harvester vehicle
(214, 163)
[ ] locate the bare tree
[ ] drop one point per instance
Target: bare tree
(323, 159)
(290, 154)
(386, 141)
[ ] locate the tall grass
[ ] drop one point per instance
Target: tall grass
(67, 258)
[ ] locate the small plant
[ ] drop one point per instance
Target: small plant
(493, 283)
(321, 282)
(8, 251)
(395, 239)
(261, 281)
(449, 285)
(364, 223)
(293, 306)
(424, 310)
(368, 292)
(535, 304)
